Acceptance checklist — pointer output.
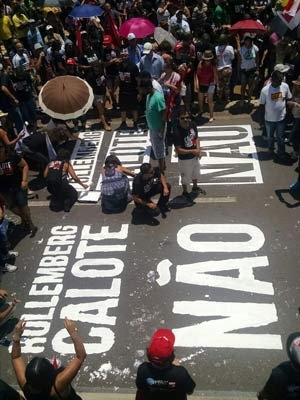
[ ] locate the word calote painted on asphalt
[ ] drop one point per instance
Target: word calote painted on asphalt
(227, 324)
(95, 274)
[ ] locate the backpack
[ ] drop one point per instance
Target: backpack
(115, 190)
(54, 177)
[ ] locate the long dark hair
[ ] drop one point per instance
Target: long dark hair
(40, 375)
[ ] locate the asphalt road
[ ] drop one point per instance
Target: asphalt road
(222, 274)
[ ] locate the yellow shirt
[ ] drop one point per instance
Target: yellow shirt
(19, 20)
(5, 28)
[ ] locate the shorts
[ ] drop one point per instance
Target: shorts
(98, 98)
(14, 197)
(128, 102)
(207, 89)
(189, 170)
(158, 145)
(247, 75)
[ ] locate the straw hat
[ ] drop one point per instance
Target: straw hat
(3, 114)
(208, 55)
(297, 82)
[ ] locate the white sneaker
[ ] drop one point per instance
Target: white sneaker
(9, 268)
(13, 253)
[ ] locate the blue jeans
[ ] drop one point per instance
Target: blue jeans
(278, 128)
(3, 242)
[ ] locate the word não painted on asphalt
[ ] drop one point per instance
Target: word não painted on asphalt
(223, 324)
(228, 155)
(97, 284)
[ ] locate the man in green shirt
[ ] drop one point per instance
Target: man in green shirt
(156, 120)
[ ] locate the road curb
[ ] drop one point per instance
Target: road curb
(206, 395)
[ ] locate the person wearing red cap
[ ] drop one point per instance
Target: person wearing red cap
(163, 378)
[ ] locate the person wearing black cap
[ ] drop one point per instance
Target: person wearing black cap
(163, 378)
(284, 381)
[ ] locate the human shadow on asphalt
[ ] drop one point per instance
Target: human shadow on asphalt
(283, 193)
(240, 108)
(16, 234)
(141, 218)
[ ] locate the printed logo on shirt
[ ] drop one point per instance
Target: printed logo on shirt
(161, 383)
(276, 96)
(125, 76)
(6, 168)
(190, 140)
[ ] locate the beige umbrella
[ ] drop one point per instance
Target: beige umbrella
(66, 97)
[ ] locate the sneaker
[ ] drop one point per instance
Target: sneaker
(197, 189)
(295, 186)
(123, 126)
(9, 268)
(13, 253)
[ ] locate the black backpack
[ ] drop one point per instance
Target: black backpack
(54, 177)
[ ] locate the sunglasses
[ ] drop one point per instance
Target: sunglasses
(185, 118)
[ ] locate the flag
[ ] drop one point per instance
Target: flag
(51, 152)
(290, 15)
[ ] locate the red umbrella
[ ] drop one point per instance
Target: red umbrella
(247, 25)
(141, 27)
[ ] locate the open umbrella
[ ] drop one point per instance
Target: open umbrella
(248, 25)
(86, 11)
(141, 27)
(66, 97)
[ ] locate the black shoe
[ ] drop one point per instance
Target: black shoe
(33, 231)
(197, 189)
(123, 126)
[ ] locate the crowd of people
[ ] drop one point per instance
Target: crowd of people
(171, 82)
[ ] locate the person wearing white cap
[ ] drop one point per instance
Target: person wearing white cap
(34, 35)
(51, 35)
(135, 50)
(151, 62)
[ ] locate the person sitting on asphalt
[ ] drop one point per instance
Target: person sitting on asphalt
(6, 255)
(56, 174)
(284, 381)
(187, 146)
(163, 378)
(115, 191)
(147, 184)
(39, 380)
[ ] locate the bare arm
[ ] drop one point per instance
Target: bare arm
(9, 94)
(164, 183)
(24, 166)
(16, 357)
(126, 171)
(75, 177)
(46, 171)
(4, 138)
(64, 379)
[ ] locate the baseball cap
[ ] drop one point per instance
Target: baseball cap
(283, 68)
(107, 39)
(71, 61)
(37, 46)
(48, 27)
(131, 36)
(293, 348)
(161, 346)
(147, 48)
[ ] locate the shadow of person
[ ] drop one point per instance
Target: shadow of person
(239, 108)
(139, 217)
(294, 194)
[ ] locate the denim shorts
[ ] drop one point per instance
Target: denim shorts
(14, 197)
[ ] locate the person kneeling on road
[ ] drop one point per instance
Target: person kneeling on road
(187, 146)
(147, 184)
(56, 174)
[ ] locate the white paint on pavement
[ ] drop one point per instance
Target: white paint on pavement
(163, 270)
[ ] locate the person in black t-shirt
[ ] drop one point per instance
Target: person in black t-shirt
(96, 78)
(24, 89)
(163, 378)
(147, 184)
(187, 146)
(13, 185)
(128, 73)
(284, 381)
(111, 56)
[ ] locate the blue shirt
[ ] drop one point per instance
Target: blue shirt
(154, 65)
(135, 53)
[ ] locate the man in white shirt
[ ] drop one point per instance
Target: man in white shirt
(20, 59)
(178, 23)
(274, 97)
(248, 63)
(225, 56)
